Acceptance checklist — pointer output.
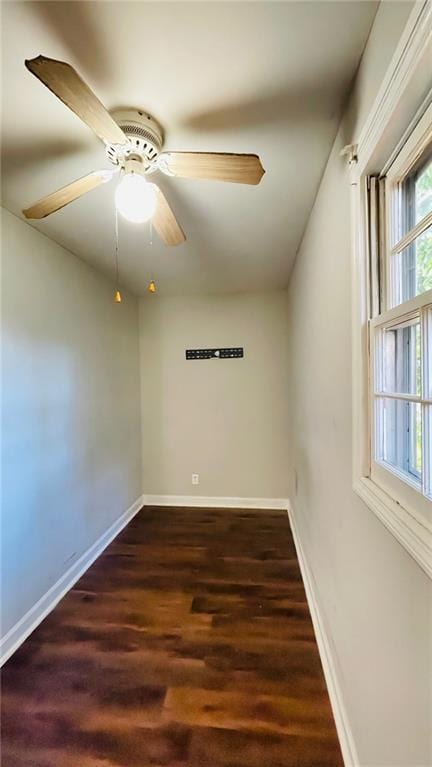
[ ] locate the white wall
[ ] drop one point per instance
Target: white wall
(223, 419)
(374, 598)
(71, 441)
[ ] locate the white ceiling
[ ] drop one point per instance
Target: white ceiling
(261, 77)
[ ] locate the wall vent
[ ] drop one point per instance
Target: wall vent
(206, 354)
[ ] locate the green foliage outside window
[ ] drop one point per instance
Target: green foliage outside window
(424, 243)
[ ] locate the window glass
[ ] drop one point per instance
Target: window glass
(428, 449)
(428, 355)
(423, 192)
(401, 358)
(399, 436)
(412, 269)
(413, 199)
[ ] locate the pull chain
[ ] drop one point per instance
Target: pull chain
(152, 285)
(117, 297)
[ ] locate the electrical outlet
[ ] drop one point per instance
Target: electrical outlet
(195, 479)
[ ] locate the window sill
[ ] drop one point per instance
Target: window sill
(415, 537)
(409, 478)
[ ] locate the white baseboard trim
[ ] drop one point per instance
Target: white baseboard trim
(215, 502)
(343, 727)
(21, 630)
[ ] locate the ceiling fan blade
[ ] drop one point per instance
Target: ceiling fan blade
(215, 166)
(67, 85)
(68, 194)
(165, 222)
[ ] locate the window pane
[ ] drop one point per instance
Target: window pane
(428, 450)
(401, 359)
(399, 436)
(423, 192)
(413, 199)
(428, 355)
(412, 269)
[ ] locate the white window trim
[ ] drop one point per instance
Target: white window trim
(408, 527)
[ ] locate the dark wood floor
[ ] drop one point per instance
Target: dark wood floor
(188, 643)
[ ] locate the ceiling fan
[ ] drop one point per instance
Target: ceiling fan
(133, 142)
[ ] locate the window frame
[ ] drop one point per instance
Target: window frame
(398, 484)
(418, 144)
(400, 104)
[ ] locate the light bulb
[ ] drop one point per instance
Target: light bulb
(135, 198)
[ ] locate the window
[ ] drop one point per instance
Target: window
(391, 221)
(400, 340)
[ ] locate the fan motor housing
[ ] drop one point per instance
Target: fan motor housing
(145, 138)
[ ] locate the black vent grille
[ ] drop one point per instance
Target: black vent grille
(234, 352)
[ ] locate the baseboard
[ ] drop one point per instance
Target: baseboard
(327, 654)
(215, 502)
(21, 630)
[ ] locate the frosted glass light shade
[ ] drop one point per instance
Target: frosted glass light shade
(135, 198)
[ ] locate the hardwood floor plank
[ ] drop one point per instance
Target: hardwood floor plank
(187, 643)
(210, 747)
(237, 711)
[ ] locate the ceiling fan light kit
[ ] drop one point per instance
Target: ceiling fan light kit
(135, 198)
(133, 145)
